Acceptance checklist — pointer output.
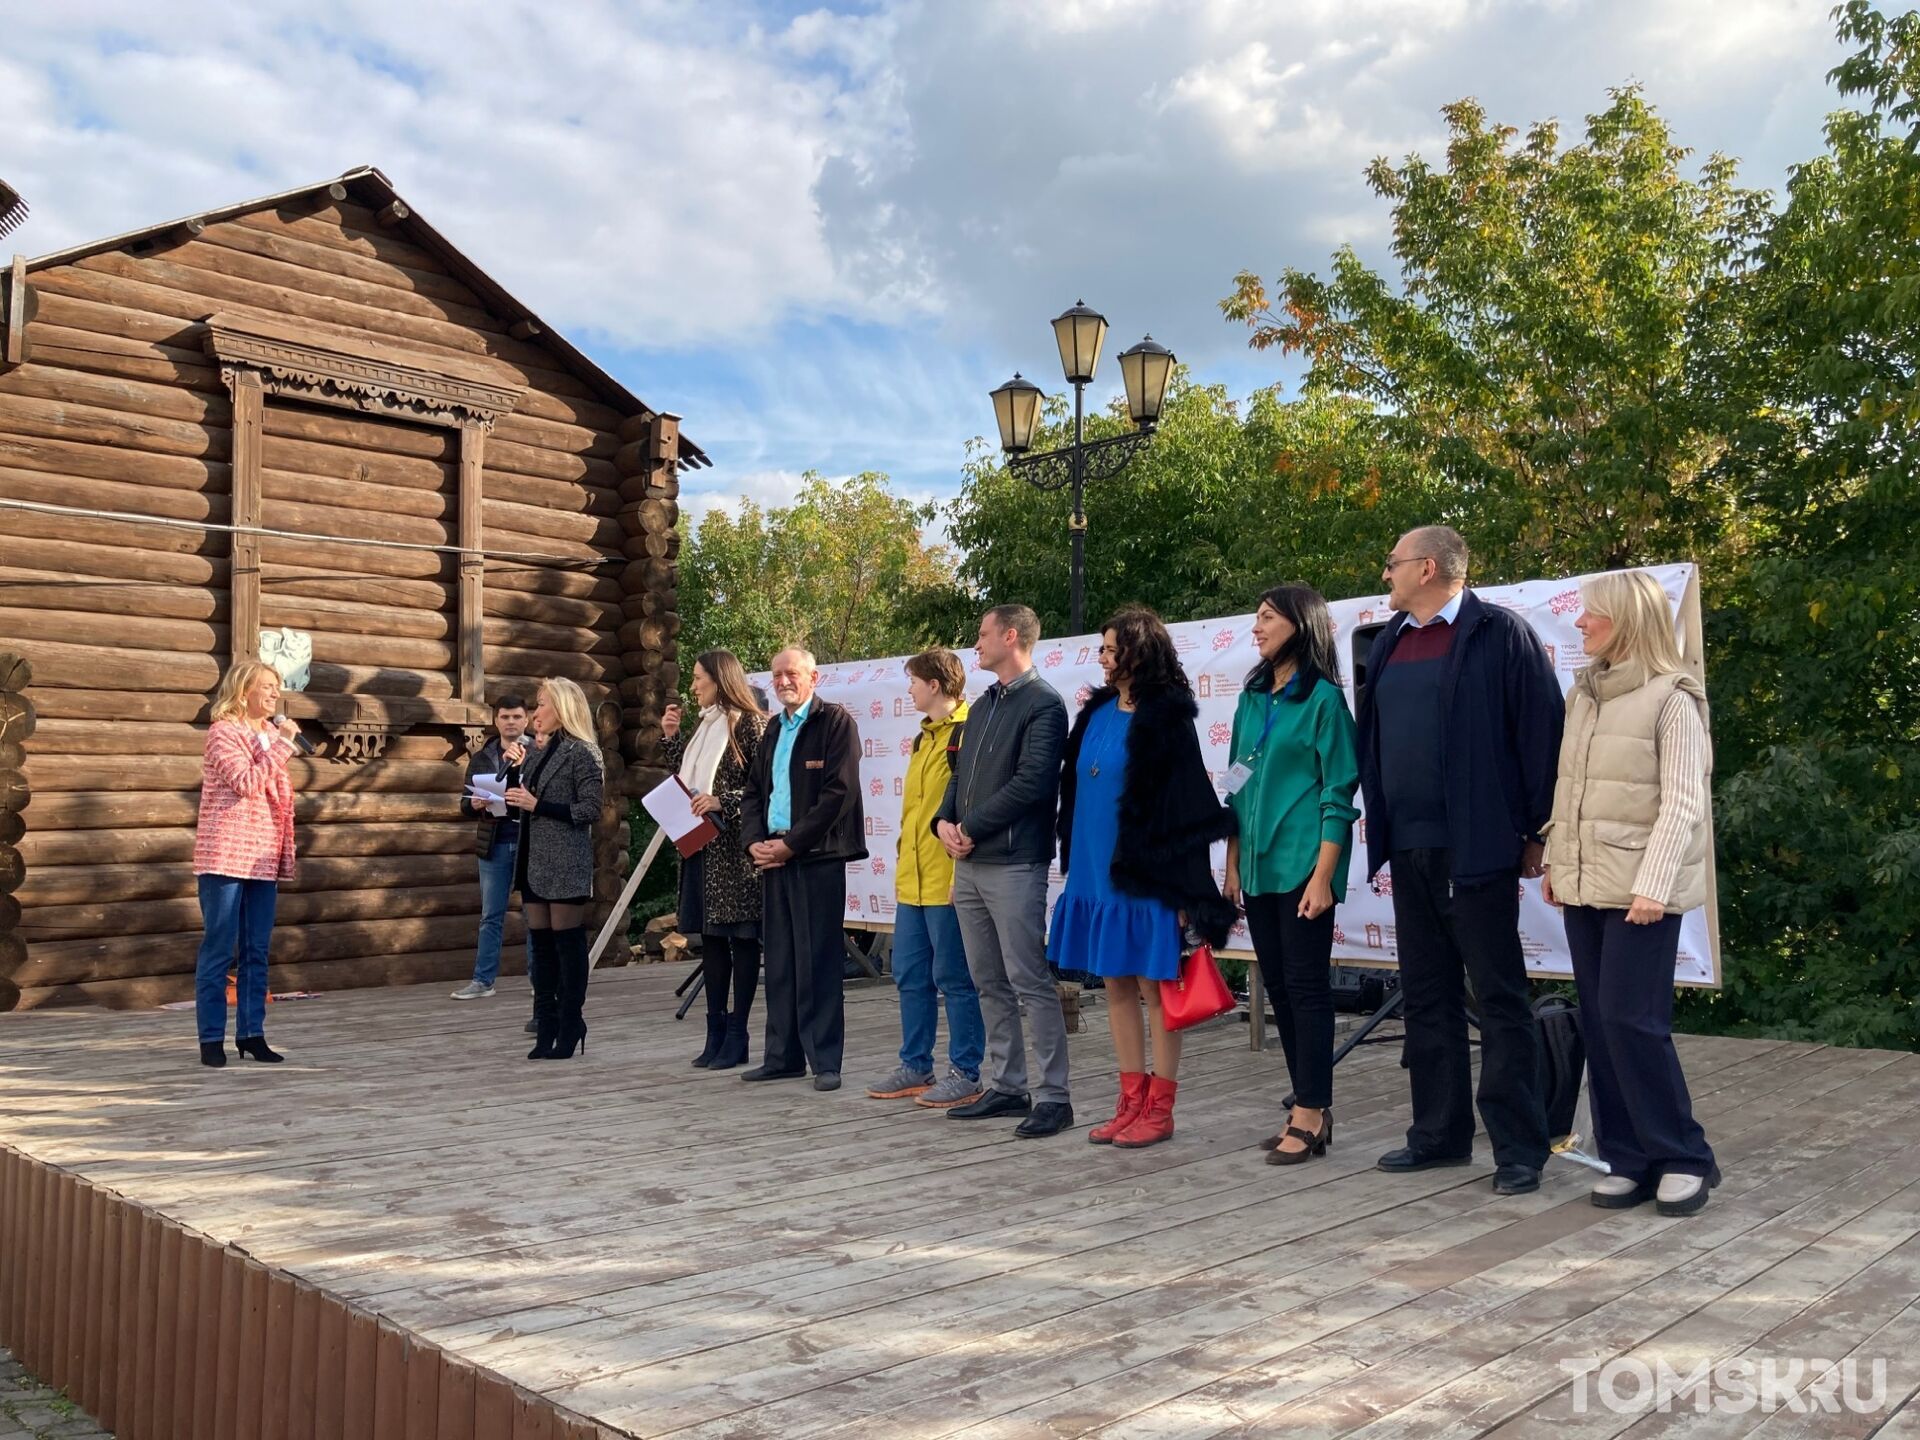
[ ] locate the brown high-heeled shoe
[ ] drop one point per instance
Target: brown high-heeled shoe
(1272, 1142)
(1315, 1142)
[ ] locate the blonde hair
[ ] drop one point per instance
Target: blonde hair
(230, 699)
(570, 704)
(1642, 620)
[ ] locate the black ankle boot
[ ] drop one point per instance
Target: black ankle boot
(716, 1036)
(254, 1047)
(733, 1048)
(546, 995)
(573, 968)
(213, 1053)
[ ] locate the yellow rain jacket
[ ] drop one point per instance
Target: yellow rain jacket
(923, 872)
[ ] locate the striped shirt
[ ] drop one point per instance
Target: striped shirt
(1683, 796)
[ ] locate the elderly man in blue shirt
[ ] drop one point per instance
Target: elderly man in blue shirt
(803, 823)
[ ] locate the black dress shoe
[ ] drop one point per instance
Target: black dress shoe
(1405, 1161)
(994, 1102)
(1516, 1180)
(1049, 1117)
(827, 1080)
(763, 1072)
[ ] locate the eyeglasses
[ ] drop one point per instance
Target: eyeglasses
(1405, 560)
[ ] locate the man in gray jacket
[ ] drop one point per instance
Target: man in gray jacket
(998, 824)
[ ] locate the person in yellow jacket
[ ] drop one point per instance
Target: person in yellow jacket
(929, 958)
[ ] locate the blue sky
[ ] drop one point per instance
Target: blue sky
(822, 234)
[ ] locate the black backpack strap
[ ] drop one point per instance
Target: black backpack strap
(953, 739)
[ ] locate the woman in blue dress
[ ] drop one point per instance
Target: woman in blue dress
(1138, 818)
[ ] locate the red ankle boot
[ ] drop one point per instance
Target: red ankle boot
(1133, 1098)
(1155, 1121)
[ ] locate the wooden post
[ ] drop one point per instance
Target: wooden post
(473, 676)
(13, 320)
(249, 405)
(1693, 651)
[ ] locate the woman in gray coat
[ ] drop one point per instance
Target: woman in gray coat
(560, 793)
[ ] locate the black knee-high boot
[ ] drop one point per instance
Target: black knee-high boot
(572, 946)
(546, 994)
(716, 970)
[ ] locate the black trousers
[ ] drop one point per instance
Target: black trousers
(1295, 956)
(801, 909)
(1643, 1121)
(729, 964)
(1449, 936)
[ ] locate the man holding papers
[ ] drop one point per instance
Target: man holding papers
(489, 771)
(803, 823)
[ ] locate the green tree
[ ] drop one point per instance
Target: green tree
(843, 569)
(1539, 351)
(1818, 650)
(1231, 497)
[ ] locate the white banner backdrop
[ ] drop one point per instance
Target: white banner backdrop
(1217, 655)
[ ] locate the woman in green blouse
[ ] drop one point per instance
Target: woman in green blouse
(1294, 772)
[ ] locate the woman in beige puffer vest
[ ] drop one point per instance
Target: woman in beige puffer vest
(1626, 857)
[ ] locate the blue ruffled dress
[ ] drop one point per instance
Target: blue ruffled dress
(1096, 927)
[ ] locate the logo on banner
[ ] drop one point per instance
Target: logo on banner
(1081, 658)
(1223, 639)
(899, 785)
(1565, 603)
(906, 745)
(1339, 935)
(878, 709)
(1382, 884)
(853, 903)
(1080, 695)
(879, 866)
(1054, 657)
(1203, 690)
(1219, 733)
(876, 787)
(899, 707)
(1375, 941)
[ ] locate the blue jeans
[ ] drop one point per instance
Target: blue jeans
(929, 964)
(496, 888)
(239, 918)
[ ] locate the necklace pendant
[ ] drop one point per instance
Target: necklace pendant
(1096, 768)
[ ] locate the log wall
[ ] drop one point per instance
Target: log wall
(126, 626)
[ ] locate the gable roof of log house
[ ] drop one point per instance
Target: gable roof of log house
(367, 187)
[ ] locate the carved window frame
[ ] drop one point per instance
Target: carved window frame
(261, 357)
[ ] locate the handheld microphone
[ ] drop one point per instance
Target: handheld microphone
(301, 743)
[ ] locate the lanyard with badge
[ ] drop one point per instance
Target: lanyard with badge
(1241, 771)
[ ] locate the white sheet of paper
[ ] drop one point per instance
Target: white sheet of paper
(493, 790)
(670, 804)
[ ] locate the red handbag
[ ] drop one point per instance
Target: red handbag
(1199, 994)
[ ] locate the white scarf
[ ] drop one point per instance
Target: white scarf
(702, 757)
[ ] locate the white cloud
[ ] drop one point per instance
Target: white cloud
(873, 214)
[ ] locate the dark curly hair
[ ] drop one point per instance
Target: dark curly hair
(1144, 653)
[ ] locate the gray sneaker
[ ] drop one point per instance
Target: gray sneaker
(473, 990)
(955, 1089)
(902, 1084)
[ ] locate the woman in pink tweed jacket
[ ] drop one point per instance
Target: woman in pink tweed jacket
(242, 850)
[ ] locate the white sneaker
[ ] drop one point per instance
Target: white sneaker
(1684, 1194)
(1618, 1192)
(473, 990)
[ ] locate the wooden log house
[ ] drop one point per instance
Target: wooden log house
(307, 411)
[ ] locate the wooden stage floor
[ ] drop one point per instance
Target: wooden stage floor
(678, 1254)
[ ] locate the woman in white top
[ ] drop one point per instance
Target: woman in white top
(1626, 857)
(719, 888)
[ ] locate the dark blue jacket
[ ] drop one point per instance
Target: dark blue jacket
(1501, 713)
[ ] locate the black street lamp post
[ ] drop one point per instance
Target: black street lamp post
(1145, 370)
